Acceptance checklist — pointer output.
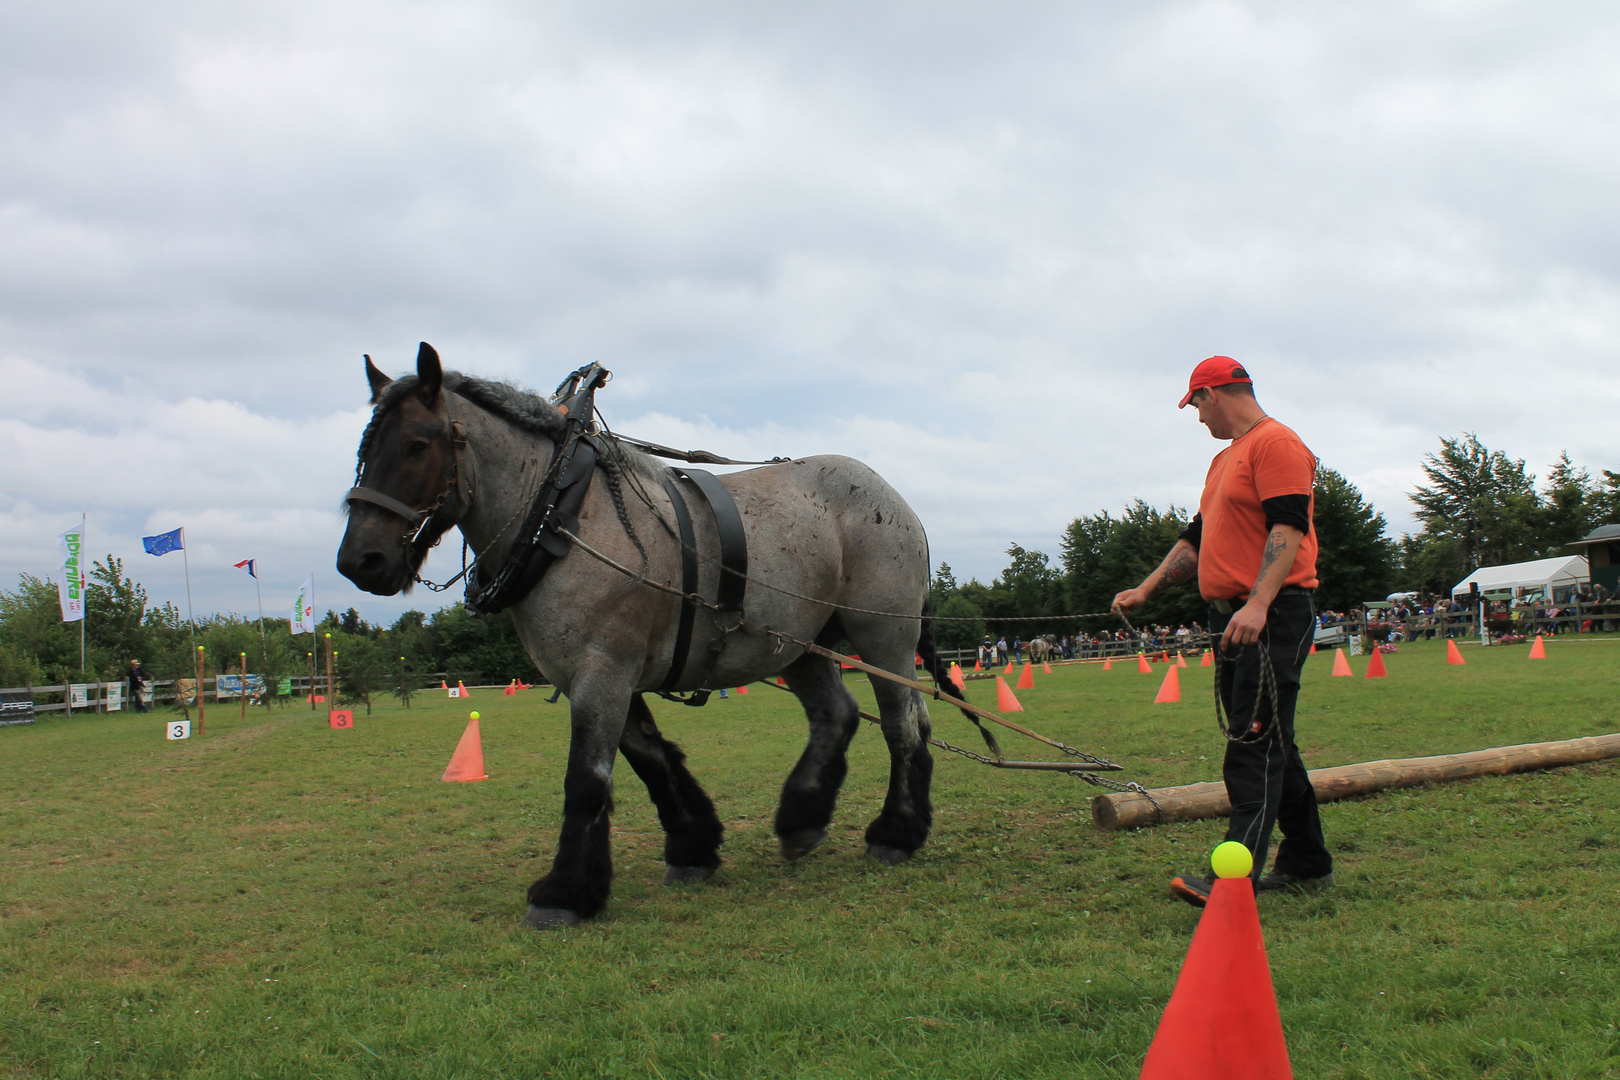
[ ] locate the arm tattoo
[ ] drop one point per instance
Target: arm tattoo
(1181, 566)
(1276, 543)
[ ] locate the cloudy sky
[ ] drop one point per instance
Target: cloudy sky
(979, 246)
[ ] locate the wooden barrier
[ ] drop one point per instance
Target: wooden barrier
(1193, 802)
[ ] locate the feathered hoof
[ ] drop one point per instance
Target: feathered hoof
(682, 875)
(888, 856)
(796, 845)
(550, 918)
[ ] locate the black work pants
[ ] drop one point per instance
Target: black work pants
(1266, 780)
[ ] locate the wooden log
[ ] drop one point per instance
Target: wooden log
(1192, 802)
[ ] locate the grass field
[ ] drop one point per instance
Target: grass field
(283, 900)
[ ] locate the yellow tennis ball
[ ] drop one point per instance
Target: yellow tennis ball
(475, 716)
(1231, 860)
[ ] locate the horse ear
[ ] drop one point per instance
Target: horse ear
(379, 382)
(429, 373)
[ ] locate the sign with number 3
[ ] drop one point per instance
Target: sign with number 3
(341, 718)
(178, 729)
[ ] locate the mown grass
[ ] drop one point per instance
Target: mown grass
(284, 900)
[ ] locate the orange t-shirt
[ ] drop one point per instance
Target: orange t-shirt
(1266, 461)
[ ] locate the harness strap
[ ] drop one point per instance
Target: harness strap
(733, 541)
(689, 584)
(387, 502)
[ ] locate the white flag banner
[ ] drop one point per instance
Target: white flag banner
(70, 590)
(303, 613)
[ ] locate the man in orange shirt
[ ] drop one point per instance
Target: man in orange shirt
(1253, 549)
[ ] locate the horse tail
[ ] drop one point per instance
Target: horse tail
(942, 675)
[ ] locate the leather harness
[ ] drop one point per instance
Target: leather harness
(733, 567)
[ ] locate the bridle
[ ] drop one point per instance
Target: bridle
(425, 528)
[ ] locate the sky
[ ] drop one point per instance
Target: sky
(978, 246)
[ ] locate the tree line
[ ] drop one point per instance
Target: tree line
(1479, 508)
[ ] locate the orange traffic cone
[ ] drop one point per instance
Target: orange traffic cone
(1009, 669)
(1453, 656)
(1026, 681)
(463, 688)
(976, 665)
(1375, 666)
(1341, 666)
(442, 686)
(742, 689)
(1208, 660)
(781, 681)
(1313, 649)
(510, 690)
(1164, 657)
(1538, 651)
(1170, 689)
(1046, 667)
(1108, 665)
(1142, 665)
(1222, 1021)
(958, 680)
(467, 763)
(1181, 661)
(1005, 701)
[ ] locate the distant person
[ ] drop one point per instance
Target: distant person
(1252, 548)
(138, 683)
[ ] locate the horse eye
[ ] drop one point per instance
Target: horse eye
(417, 448)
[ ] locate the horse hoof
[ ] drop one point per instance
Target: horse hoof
(549, 918)
(681, 875)
(797, 845)
(888, 856)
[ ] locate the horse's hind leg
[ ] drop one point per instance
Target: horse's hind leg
(692, 830)
(811, 790)
(907, 814)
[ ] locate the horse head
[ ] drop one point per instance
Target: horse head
(408, 485)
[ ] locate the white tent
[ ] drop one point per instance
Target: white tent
(1543, 575)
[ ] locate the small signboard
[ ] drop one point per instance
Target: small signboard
(16, 709)
(341, 719)
(115, 696)
(79, 694)
(177, 729)
(455, 691)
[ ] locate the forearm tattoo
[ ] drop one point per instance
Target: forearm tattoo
(1179, 566)
(1276, 544)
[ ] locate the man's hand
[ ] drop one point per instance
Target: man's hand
(1130, 598)
(1245, 627)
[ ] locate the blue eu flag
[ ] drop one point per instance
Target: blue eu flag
(163, 543)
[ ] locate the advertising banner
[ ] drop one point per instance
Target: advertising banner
(303, 612)
(79, 695)
(16, 708)
(70, 588)
(114, 692)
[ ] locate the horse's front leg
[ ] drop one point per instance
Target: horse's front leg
(582, 873)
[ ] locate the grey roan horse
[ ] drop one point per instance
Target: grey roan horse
(445, 449)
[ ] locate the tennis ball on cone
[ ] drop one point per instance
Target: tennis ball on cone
(1231, 860)
(474, 716)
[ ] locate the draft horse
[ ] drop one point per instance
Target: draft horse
(447, 450)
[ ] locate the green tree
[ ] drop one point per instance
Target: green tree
(1483, 500)
(1356, 561)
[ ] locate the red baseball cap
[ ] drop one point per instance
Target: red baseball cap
(1216, 371)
